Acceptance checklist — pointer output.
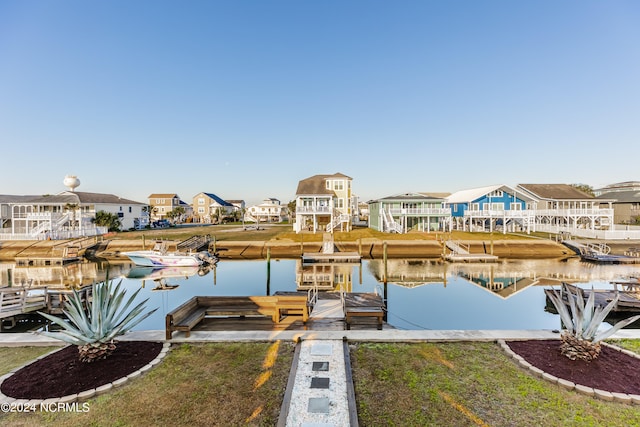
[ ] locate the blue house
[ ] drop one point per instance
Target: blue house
(497, 207)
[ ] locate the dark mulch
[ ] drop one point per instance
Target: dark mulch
(62, 373)
(612, 371)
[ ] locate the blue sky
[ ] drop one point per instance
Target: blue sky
(245, 98)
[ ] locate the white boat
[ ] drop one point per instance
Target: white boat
(159, 257)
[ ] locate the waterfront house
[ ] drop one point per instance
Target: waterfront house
(324, 203)
(163, 203)
(626, 206)
(66, 215)
(409, 211)
(496, 207)
(564, 208)
(209, 208)
(270, 210)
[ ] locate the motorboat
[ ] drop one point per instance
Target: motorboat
(160, 257)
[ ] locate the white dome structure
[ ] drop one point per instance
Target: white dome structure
(71, 181)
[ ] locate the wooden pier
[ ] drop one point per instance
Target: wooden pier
(460, 253)
(600, 253)
(336, 257)
(628, 299)
(16, 301)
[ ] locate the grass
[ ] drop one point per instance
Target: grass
(422, 384)
(196, 385)
(15, 357)
(466, 384)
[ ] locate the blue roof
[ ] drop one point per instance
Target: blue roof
(218, 200)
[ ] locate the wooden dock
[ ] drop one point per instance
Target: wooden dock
(336, 257)
(601, 253)
(16, 301)
(628, 300)
(460, 253)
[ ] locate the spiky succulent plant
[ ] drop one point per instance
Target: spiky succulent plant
(581, 335)
(93, 330)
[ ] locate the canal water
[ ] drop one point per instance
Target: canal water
(420, 294)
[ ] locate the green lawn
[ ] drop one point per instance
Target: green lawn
(421, 384)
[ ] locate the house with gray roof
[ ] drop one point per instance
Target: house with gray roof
(404, 212)
(324, 203)
(562, 207)
(65, 215)
(626, 205)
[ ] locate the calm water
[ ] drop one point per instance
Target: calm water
(420, 294)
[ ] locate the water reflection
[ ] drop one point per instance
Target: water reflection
(325, 276)
(421, 294)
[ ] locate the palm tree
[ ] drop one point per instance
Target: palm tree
(107, 219)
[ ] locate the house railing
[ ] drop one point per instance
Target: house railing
(337, 221)
(313, 209)
(420, 211)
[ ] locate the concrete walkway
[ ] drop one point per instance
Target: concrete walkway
(320, 389)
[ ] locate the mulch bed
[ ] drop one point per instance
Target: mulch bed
(62, 373)
(612, 371)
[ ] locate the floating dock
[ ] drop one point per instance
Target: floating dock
(331, 258)
(628, 301)
(460, 253)
(600, 253)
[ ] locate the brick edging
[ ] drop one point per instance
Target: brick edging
(84, 395)
(568, 385)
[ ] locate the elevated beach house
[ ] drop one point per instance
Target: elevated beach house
(409, 211)
(65, 215)
(492, 208)
(324, 203)
(564, 208)
(270, 210)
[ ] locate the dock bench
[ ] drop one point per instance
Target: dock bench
(185, 317)
(375, 312)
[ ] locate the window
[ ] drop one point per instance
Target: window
(339, 203)
(474, 206)
(515, 206)
(338, 185)
(130, 209)
(201, 201)
(200, 210)
(328, 185)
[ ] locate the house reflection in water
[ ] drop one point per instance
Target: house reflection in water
(56, 277)
(502, 280)
(504, 284)
(326, 276)
(409, 273)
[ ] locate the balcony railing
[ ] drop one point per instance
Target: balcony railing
(420, 211)
(313, 209)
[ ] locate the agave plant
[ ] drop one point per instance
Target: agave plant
(93, 330)
(581, 336)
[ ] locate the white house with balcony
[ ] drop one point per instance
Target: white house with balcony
(270, 210)
(323, 203)
(65, 215)
(402, 213)
(564, 208)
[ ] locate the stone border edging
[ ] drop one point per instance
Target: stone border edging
(568, 385)
(84, 395)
